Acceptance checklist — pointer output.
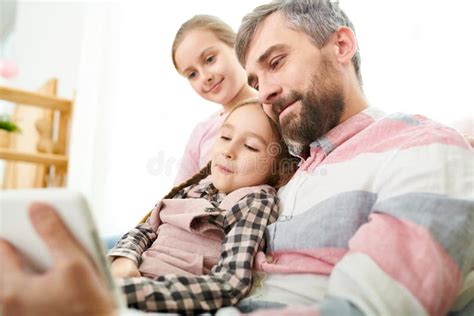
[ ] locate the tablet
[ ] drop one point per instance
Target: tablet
(15, 226)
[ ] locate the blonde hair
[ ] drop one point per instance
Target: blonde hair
(204, 22)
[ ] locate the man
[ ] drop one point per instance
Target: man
(372, 229)
(379, 218)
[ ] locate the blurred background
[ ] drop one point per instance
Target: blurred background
(133, 113)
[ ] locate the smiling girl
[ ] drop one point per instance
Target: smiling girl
(203, 53)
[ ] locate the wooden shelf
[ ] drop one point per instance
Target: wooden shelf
(46, 159)
(35, 99)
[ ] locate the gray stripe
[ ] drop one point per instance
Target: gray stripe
(330, 223)
(339, 307)
(324, 143)
(449, 220)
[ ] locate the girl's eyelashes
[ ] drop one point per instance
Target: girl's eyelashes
(210, 59)
(251, 148)
(225, 137)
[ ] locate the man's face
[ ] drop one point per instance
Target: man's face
(298, 82)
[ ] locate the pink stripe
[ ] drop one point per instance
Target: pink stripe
(417, 261)
(387, 135)
(317, 261)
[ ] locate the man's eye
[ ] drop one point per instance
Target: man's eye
(251, 148)
(275, 62)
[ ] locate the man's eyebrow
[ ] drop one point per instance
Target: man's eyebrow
(269, 51)
(201, 56)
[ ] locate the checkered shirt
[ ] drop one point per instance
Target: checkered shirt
(244, 226)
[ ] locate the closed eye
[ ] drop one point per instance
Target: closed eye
(251, 148)
(225, 138)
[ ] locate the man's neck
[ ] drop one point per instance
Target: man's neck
(355, 101)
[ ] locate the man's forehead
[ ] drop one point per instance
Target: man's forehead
(265, 35)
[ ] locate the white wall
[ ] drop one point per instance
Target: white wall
(134, 113)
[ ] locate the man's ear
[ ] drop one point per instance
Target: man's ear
(344, 43)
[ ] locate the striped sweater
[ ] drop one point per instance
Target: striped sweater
(384, 207)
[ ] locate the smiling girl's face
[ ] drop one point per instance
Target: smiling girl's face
(242, 155)
(211, 66)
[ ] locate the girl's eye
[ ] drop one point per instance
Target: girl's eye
(225, 138)
(192, 75)
(251, 148)
(210, 59)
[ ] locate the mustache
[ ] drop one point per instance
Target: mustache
(281, 103)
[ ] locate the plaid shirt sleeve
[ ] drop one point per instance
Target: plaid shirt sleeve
(136, 241)
(228, 281)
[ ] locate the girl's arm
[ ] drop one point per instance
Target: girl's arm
(134, 243)
(228, 281)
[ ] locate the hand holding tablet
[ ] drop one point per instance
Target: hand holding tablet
(71, 282)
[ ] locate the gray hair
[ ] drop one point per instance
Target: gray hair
(317, 18)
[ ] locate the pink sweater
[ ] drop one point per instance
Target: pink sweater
(198, 149)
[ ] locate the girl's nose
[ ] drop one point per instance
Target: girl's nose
(208, 78)
(228, 152)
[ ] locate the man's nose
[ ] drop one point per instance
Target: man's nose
(268, 93)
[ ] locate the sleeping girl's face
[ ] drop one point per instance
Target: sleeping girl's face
(242, 155)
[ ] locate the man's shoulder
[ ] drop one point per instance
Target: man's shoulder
(402, 130)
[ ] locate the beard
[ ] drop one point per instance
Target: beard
(321, 109)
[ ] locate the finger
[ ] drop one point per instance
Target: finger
(10, 260)
(11, 266)
(52, 230)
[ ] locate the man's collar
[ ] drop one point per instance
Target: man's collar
(338, 135)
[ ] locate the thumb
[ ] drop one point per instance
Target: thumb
(53, 231)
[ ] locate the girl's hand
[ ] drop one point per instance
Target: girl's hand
(124, 268)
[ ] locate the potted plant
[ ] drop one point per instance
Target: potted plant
(6, 127)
